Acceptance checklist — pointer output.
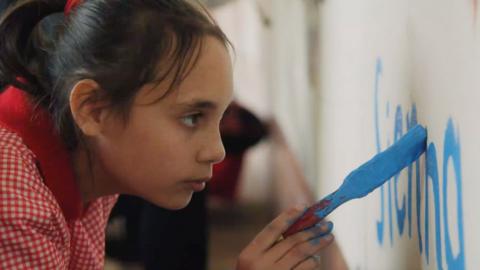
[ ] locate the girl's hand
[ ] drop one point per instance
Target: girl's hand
(298, 251)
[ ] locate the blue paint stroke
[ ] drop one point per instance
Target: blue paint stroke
(390, 214)
(411, 121)
(400, 211)
(381, 222)
(451, 150)
(378, 72)
(389, 185)
(432, 175)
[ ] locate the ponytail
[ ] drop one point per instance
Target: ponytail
(23, 44)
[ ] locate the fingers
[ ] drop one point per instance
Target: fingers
(313, 262)
(266, 251)
(272, 232)
(300, 253)
(283, 247)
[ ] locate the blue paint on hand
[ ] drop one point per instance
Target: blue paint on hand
(325, 231)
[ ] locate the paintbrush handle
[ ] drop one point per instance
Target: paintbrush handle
(367, 177)
(317, 212)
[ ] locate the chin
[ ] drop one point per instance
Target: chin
(173, 203)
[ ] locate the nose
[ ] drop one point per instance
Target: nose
(212, 151)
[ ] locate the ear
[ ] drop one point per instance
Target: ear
(88, 109)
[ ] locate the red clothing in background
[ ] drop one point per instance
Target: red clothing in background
(240, 130)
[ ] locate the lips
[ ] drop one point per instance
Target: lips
(197, 185)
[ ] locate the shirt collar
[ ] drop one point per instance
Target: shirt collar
(34, 125)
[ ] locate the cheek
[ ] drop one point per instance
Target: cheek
(151, 165)
(148, 159)
(150, 153)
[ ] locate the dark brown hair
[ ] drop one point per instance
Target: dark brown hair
(120, 44)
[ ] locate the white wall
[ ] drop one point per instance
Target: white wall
(383, 65)
(271, 69)
(381, 60)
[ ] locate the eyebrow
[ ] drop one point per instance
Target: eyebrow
(199, 104)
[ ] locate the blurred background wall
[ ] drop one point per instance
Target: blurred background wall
(342, 80)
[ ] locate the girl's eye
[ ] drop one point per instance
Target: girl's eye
(192, 119)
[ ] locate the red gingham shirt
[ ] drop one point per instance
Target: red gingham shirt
(42, 221)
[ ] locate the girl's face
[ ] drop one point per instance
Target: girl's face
(166, 150)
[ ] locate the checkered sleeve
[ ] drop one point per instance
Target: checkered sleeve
(31, 235)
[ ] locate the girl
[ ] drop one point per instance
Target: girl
(104, 97)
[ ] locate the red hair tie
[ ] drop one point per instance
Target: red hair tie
(71, 4)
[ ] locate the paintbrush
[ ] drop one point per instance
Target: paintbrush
(366, 178)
